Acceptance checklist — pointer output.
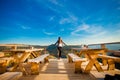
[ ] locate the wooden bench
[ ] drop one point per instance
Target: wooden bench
(10, 76)
(111, 61)
(36, 61)
(77, 60)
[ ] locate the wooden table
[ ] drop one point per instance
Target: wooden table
(25, 53)
(91, 55)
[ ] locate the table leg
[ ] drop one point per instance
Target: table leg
(111, 64)
(97, 65)
(89, 66)
(92, 63)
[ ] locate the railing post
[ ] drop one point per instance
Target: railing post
(31, 47)
(45, 52)
(14, 47)
(103, 46)
(103, 60)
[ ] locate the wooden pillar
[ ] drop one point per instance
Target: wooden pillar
(14, 47)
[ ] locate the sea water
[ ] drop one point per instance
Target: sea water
(108, 46)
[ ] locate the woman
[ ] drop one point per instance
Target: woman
(59, 44)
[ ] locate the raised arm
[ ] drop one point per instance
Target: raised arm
(64, 43)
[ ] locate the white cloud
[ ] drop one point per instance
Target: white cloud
(52, 8)
(82, 27)
(88, 31)
(103, 39)
(52, 18)
(118, 31)
(64, 20)
(94, 29)
(97, 34)
(74, 18)
(25, 27)
(70, 19)
(47, 33)
(56, 3)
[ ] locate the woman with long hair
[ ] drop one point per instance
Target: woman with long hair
(59, 44)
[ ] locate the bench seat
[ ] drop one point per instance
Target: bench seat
(36, 61)
(77, 60)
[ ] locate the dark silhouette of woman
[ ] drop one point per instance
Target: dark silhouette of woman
(59, 44)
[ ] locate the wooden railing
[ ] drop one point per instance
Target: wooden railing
(103, 46)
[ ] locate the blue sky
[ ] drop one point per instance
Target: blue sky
(41, 22)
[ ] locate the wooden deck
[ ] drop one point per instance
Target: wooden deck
(58, 70)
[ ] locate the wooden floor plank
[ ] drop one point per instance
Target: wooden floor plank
(62, 70)
(58, 70)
